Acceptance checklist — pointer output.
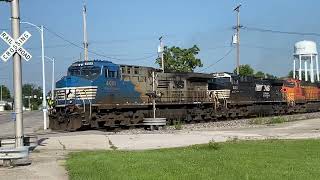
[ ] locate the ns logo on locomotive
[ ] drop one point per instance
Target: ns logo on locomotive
(103, 94)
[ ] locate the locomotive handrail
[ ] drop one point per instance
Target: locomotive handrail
(90, 113)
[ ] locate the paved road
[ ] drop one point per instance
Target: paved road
(93, 140)
(33, 122)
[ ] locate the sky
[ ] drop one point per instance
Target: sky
(127, 32)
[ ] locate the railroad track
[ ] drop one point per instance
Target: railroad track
(288, 118)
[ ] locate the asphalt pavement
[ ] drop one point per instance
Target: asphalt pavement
(32, 122)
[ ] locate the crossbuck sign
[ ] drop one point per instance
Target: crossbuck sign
(15, 46)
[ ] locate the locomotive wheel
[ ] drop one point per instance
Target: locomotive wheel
(53, 123)
(74, 123)
(137, 117)
(57, 122)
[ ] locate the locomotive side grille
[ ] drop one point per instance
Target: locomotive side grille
(69, 93)
(163, 84)
(220, 94)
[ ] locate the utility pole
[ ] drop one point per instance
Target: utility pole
(238, 26)
(160, 50)
(85, 35)
(53, 76)
(17, 75)
(44, 103)
(53, 80)
(1, 92)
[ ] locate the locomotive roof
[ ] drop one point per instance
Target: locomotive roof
(146, 67)
(190, 75)
(93, 62)
(187, 75)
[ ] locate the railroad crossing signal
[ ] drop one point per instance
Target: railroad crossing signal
(15, 46)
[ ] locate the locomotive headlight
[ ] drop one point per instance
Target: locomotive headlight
(70, 102)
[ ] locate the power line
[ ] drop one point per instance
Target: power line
(50, 46)
(217, 60)
(280, 32)
(92, 52)
(264, 47)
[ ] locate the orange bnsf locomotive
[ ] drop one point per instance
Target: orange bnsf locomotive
(304, 96)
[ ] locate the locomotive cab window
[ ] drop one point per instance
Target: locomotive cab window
(111, 74)
(289, 84)
(74, 72)
(89, 72)
(123, 70)
(136, 70)
(129, 70)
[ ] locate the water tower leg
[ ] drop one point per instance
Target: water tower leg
(306, 70)
(300, 68)
(294, 69)
(317, 66)
(311, 69)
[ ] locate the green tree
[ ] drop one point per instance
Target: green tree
(5, 93)
(259, 74)
(178, 59)
(245, 70)
(270, 76)
(290, 74)
(35, 93)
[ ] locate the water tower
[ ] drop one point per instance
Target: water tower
(305, 52)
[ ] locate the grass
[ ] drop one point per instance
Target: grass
(269, 159)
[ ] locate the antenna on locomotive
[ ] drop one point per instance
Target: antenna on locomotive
(85, 34)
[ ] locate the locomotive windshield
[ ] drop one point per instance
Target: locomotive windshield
(85, 72)
(219, 83)
(289, 84)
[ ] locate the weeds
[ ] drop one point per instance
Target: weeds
(276, 120)
(178, 125)
(273, 120)
(233, 139)
(214, 145)
(257, 121)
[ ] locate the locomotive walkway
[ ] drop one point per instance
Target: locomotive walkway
(48, 159)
